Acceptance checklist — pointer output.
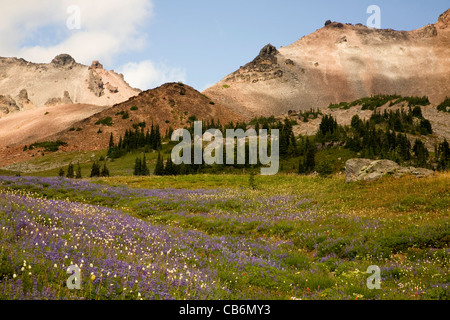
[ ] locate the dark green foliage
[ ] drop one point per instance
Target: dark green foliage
(425, 127)
(95, 170)
(159, 169)
(135, 140)
(105, 121)
(134, 108)
(124, 114)
(412, 101)
(137, 167)
(421, 153)
(307, 161)
(264, 123)
(61, 172)
(78, 172)
(443, 156)
(444, 106)
(324, 168)
(305, 116)
(105, 171)
(377, 101)
(328, 127)
(383, 136)
(170, 169)
(288, 143)
(48, 146)
(139, 125)
(140, 167)
(370, 103)
(70, 172)
(402, 121)
(417, 112)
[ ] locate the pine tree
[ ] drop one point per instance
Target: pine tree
(78, 173)
(169, 169)
(70, 172)
(111, 144)
(301, 166)
(144, 168)
(421, 153)
(138, 167)
(95, 170)
(159, 169)
(310, 162)
(105, 171)
(61, 172)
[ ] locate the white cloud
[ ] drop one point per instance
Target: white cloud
(147, 75)
(108, 27)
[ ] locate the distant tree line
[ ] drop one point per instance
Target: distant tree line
(134, 140)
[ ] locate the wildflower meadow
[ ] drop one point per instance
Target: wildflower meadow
(164, 238)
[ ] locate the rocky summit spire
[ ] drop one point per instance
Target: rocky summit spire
(63, 61)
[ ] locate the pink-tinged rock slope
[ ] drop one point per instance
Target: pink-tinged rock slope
(25, 85)
(341, 62)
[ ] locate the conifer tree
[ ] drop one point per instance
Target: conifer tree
(95, 170)
(138, 167)
(159, 169)
(70, 172)
(78, 172)
(169, 169)
(111, 144)
(105, 171)
(144, 168)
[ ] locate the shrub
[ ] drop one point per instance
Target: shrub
(105, 121)
(324, 168)
(49, 146)
(134, 108)
(444, 106)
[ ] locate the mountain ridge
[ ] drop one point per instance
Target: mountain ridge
(341, 62)
(26, 85)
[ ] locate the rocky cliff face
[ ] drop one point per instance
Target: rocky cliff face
(341, 62)
(25, 85)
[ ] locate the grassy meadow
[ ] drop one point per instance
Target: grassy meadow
(213, 237)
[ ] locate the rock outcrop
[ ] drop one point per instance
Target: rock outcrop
(8, 104)
(371, 170)
(57, 101)
(63, 61)
(96, 84)
(96, 65)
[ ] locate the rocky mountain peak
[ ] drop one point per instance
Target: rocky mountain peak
(63, 61)
(268, 52)
(444, 19)
(96, 65)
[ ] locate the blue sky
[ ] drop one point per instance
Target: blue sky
(197, 42)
